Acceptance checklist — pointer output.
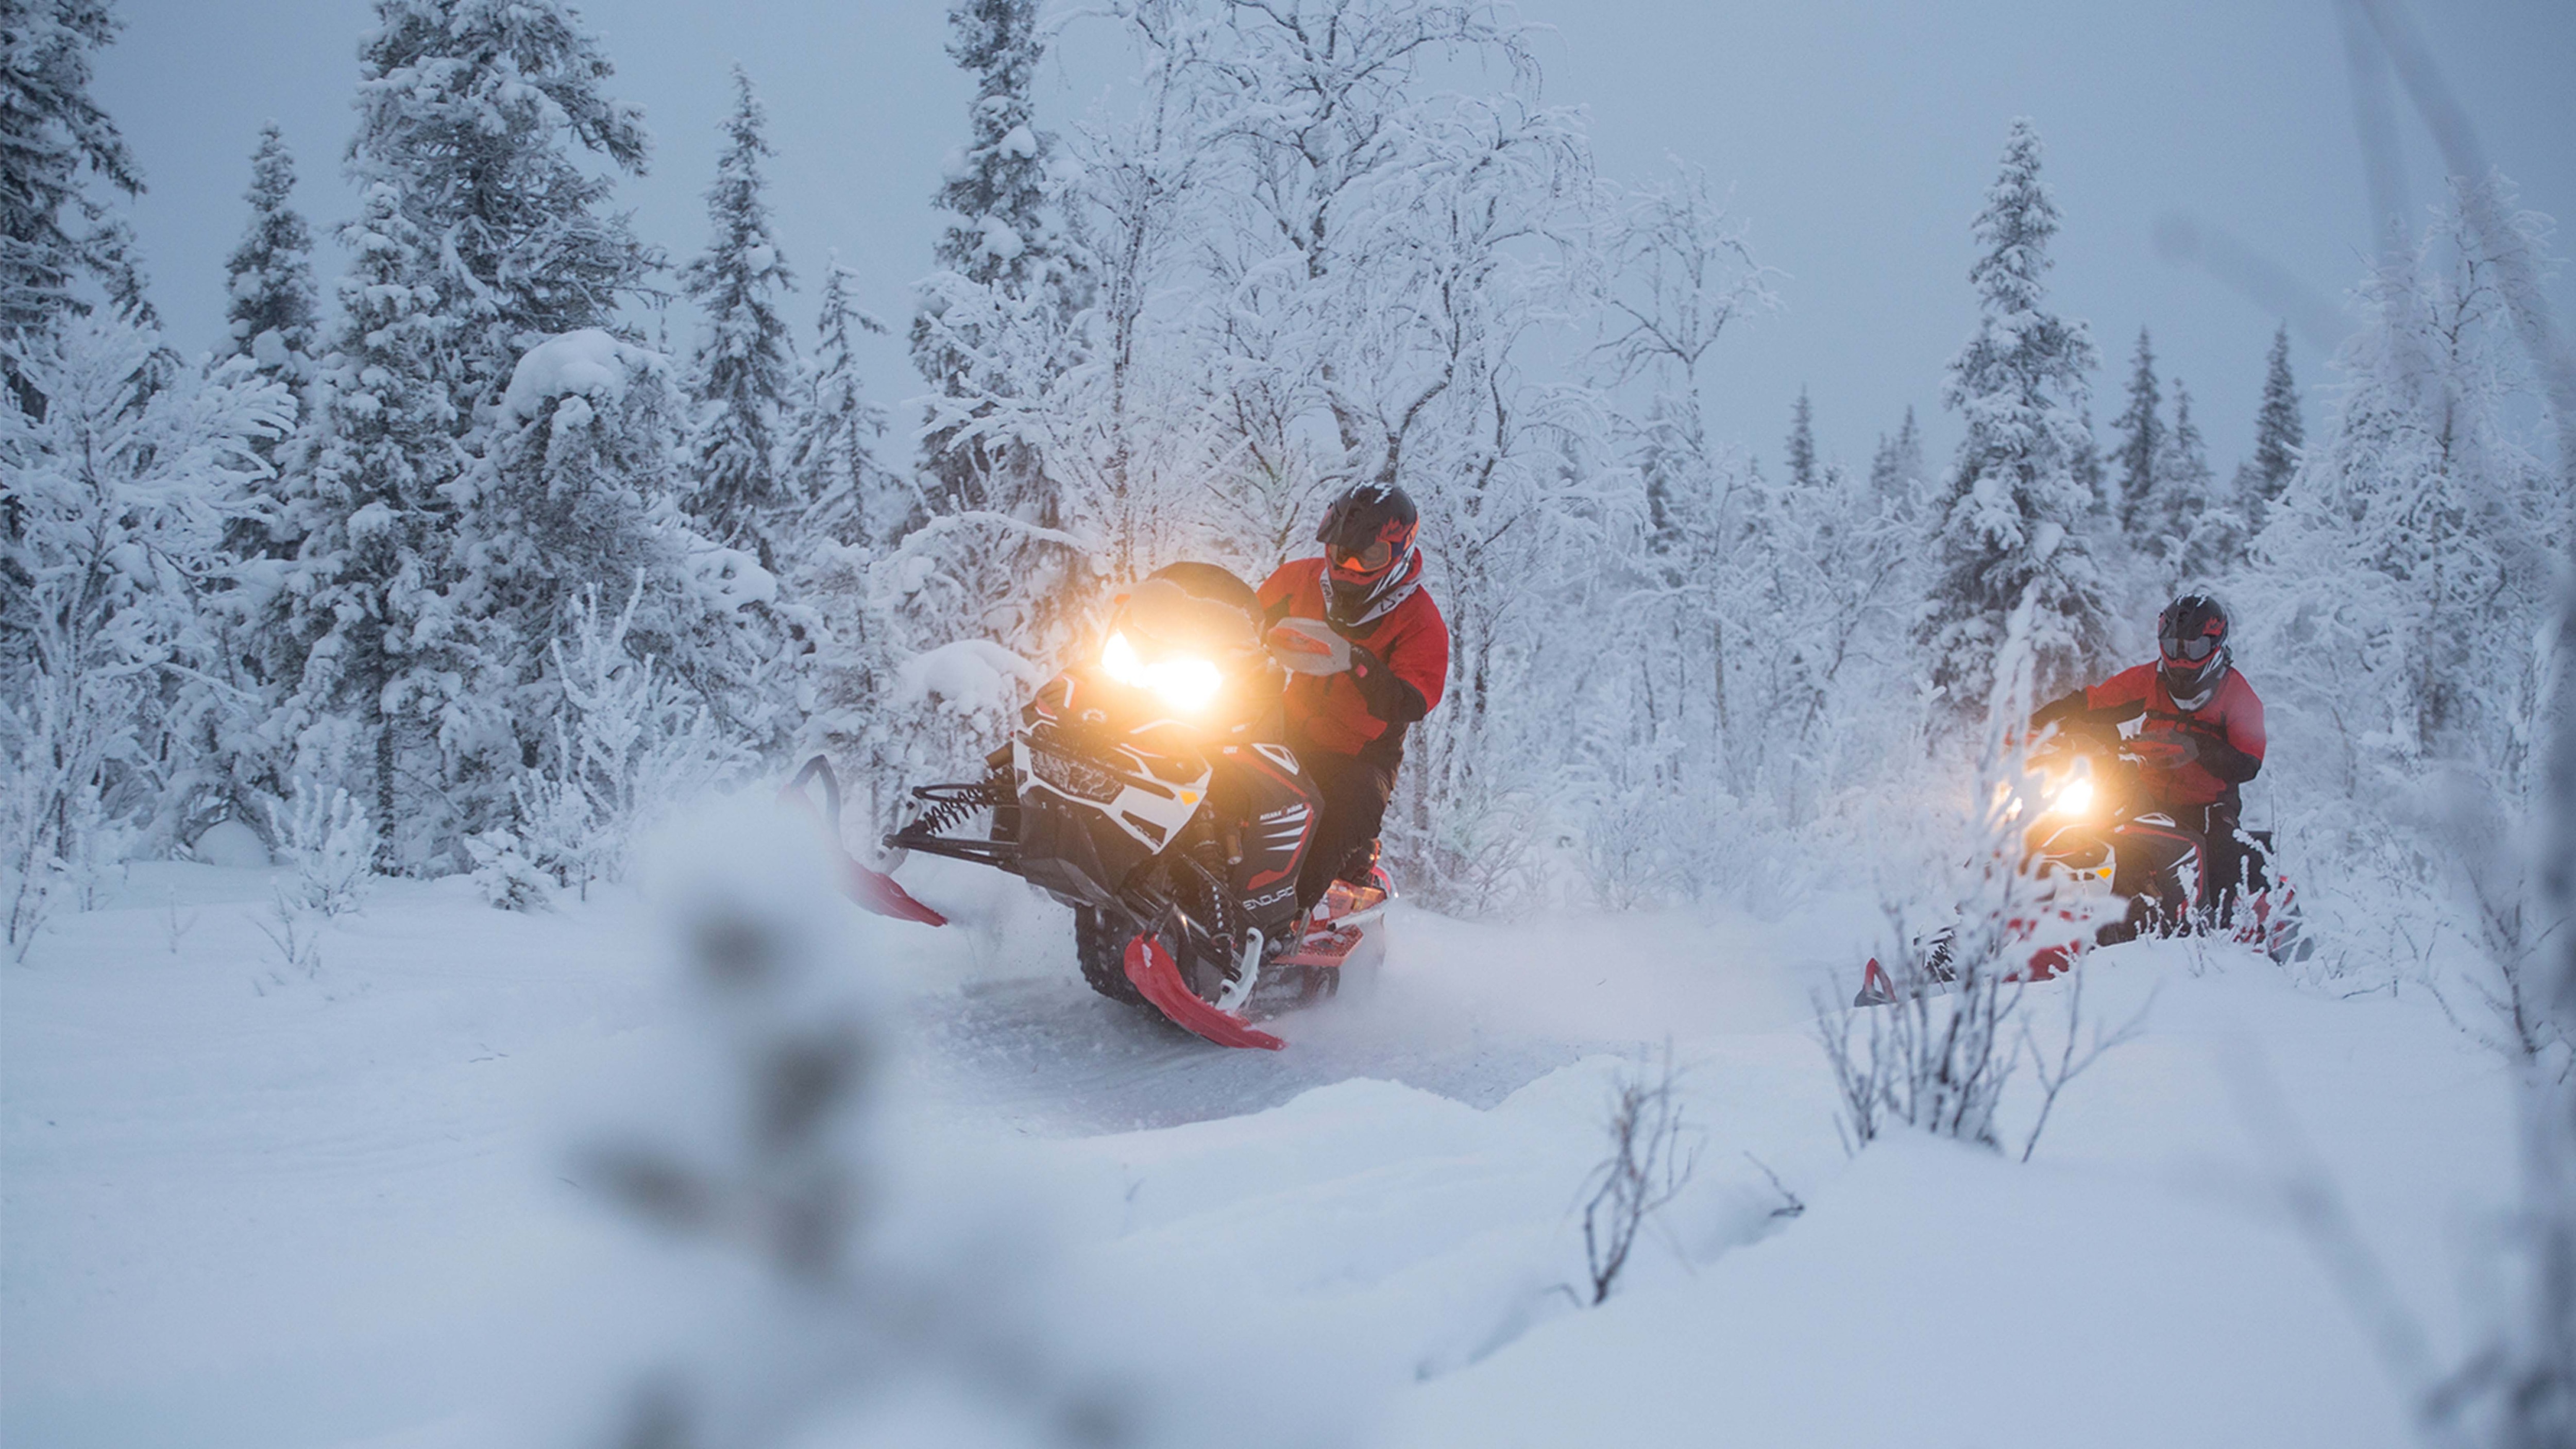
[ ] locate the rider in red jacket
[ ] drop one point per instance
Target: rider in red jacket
(1375, 657)
(2199, 737)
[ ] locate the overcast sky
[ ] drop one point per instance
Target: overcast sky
(1858, 137)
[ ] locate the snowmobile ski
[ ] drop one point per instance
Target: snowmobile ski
(873, 890)
(1157, 978)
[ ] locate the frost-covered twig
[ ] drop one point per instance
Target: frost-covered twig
(2069, 1062)
(1652, 1156)
(289, 927)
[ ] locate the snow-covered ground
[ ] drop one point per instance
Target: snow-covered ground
(249, 1206)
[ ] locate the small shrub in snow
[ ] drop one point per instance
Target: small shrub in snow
(331, 843)
(631, 741)
(294, 934)
(505, 876)
(1652, 1155)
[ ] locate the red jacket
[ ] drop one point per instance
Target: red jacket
(2195, 758)
(1351, 711)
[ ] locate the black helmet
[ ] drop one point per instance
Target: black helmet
(2191, 640)
(1370, 561)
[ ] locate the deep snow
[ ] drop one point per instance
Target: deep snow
(244, 1206)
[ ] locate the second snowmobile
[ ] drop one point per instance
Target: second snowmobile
(2097, 834)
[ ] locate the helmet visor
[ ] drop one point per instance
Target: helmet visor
(2187, 651)
(1370, 558)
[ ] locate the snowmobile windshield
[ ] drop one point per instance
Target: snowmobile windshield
(1181, 647)
(1162, 618)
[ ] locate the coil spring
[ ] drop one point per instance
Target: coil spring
(947, 805)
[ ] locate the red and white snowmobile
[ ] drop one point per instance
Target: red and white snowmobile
(1148, 789)
(2095, 815)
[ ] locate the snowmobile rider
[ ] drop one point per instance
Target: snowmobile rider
(1368, 654)
(2202, 738)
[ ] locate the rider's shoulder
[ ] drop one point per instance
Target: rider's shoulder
(1286, 580)
(2133, 682)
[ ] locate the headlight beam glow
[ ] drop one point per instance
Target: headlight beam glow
(1184, 683)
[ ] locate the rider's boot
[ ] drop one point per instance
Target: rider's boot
(1361, 890)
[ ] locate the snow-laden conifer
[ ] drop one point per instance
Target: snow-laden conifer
(2013, 517)
(482, 235)
(832, 473)
(740, 373)
(2197, 532)
(1800, 452)
(272, 318)
(472, 111)
(1896, 469)
(994, 316)
(365, 650)
(53, 134)
(2280, 435)
(2141, 430)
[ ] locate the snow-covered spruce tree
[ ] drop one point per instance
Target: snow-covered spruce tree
(482, 235)
(2200, 528)
(2013, 517)
(1799, 453)
(840, 490)
(739, 376)
(2141, 451)
(470, 110)
(993, 331)
(1006, 236)
(1896, 471)
(2280, 435)
(121, 487)
(273, 318)
(53, 136)
(366, 650)
(848, 504)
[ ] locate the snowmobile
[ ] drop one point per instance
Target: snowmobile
(1147, 788)
(2095, 809)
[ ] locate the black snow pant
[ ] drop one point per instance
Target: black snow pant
(2199, 869)
(1355, 790)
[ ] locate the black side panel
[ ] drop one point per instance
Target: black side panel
(1271, 813)
(1074, 851)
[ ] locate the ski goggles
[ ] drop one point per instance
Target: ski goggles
(1371, 557)
(2188, 651)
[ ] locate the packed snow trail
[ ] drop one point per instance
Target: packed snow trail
(1471, 1011)
(248, 1207)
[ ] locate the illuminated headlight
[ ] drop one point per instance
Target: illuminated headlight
(1184, 683)
(2075, 797)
